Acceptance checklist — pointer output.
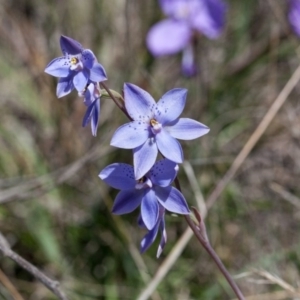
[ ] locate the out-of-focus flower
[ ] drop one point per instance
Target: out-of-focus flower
(75, 68)
(92, 96)
(294, 16)
(155, 126)
(150, 237)
(185, 17)
(151, 192)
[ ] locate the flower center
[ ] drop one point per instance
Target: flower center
(143, 183)
(74, 61)
(155, 126)
(76, 64)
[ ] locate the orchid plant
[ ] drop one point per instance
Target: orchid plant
(153, 127)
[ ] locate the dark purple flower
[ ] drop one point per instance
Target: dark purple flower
(294, 16)
(184, 18)
(150, 237)
(92, 95)
(155, 126)
(75, 68)
(150, 192)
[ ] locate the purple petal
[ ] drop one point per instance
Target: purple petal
(97, 73)
(168, 37)
(170, 105)
(169, 147)
(141, 222)
(70, 46)
(127, 201)
(172, 200)
(119, 176)
(149, 209)
(80, 80)
(88, 115)
(144, 158)
(88, 58)
(130, 135)
(95, 117)
(64, 86)
(138, 103)
(188, 64)
(163, 172)
(294, 16)
(59, 67)
(171, 7)
(89, 95)
(210, 18)
(186, 129)
(149, 238)
(163, 239)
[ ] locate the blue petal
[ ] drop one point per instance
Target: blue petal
(168, 37)
(170, 106)
(95, 117)
(119, 176)
(210, 19)
(172, 200)
(188, 64)
(294, 15)
(130, 135)
(187, 129)
(80, 80)
(89, 95)
(149, 238)
(149, 209)
(59, 67)
(88, 58)
(70, 46)
(140, 222)
(139, 103)
(97, 73)
(65, 86)
(163, 172)
(127, 201)
(163, 239)
(169, 147)
(144, 158)
(88, 115)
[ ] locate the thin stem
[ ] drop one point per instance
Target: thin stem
(121, 107)
(201, 235)
(49, 283)
(207, 246)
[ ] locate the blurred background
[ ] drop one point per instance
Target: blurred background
(55, 211)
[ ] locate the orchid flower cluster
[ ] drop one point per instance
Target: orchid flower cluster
(154, 128)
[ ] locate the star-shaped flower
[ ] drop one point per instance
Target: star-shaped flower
(150, 192)
(294, 15)
(75, 68)
(150, 237)
(92, 101)
(155, 126)
(185, 17)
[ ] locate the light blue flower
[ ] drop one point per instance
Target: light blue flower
(155, 127)
(75, 68)
(151, 192)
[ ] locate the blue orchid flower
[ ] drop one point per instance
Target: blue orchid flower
(75, 68)
(151, 192)
(155, 126)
